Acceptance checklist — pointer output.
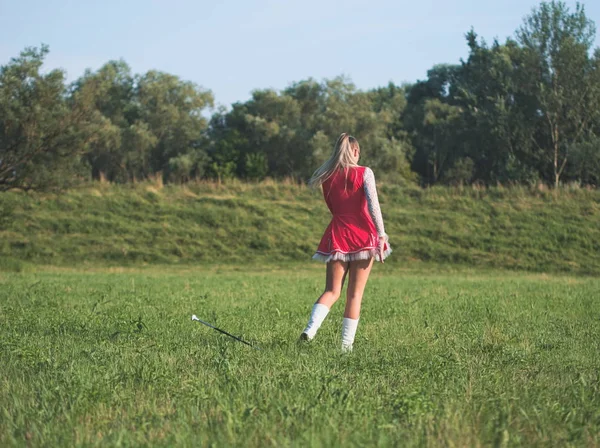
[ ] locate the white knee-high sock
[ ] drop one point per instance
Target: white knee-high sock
(317, 316)
(348, 332)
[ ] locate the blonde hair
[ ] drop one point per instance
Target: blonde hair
(342, 157)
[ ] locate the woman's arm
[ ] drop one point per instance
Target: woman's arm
(373, 202)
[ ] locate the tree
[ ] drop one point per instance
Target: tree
(433, 120)
(441, 121)
(146, 124)
(172, 110)
(499, 112)
(40, 132)
(122, 140)
(585, 165)
(561, 74)
(291, 132)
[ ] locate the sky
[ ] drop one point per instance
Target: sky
(232, 47)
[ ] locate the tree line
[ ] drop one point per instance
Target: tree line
(523, 111)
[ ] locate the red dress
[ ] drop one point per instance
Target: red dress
(351, 234)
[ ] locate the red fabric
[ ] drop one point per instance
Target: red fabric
(351, 229)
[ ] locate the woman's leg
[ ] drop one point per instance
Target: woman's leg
(359, 274)
(336, 273)
(334, 281)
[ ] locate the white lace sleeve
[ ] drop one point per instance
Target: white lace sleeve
(373, 201)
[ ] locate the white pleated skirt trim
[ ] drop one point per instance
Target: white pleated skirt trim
(351, 256)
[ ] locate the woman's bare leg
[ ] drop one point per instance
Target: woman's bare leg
(334, 280)
(359, 274)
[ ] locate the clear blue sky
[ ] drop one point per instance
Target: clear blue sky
(234, 46)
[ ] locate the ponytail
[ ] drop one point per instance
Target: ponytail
(341, 157)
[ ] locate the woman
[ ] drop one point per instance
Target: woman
(354, 238)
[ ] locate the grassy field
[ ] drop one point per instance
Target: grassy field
(454, 358)
(516, 228)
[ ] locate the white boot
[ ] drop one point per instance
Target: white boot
(317, 316)
(348, 332)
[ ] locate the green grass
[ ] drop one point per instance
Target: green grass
(111, 225)
(457, 358)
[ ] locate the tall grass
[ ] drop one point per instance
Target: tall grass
(531, 228)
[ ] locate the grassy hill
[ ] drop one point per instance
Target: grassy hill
(513, 228)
